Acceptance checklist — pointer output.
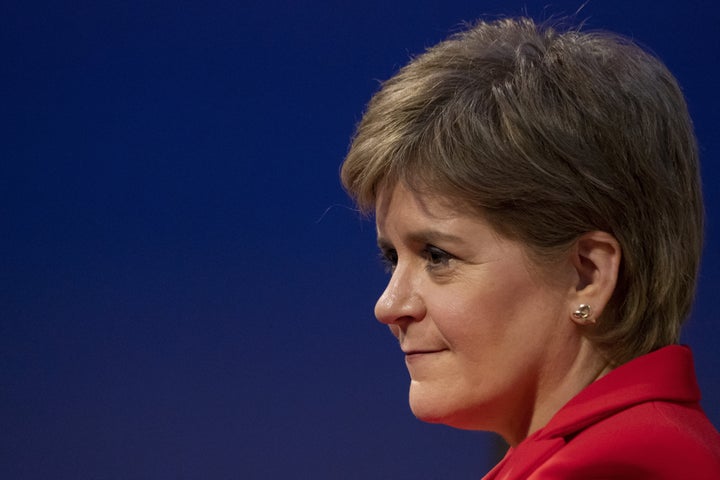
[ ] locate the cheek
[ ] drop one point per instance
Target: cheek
(461, 320)
(482, 314)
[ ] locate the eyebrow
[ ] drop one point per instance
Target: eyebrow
(424, 236)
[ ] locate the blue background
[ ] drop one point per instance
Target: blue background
(185, 291)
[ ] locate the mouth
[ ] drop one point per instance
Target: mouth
(413, 354)
(420, 352)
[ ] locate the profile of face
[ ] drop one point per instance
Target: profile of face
(486, 332)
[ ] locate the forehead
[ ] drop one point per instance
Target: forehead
(426, 202)
(430, 216)
(398, 206)
(426, 216)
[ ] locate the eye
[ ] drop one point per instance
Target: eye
(436, 257)
(389, 259)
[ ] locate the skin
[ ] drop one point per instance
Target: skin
(489, 338)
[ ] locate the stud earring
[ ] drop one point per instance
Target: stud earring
(583, 314)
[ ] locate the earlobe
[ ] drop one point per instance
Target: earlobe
(596, 258)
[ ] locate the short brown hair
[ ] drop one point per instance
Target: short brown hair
(550, 134)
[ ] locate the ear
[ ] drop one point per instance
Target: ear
(596, 258)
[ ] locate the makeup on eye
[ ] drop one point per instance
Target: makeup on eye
(435, 258)
(389, 259)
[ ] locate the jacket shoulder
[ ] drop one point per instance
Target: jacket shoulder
(658, 440)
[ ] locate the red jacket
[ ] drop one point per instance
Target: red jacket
(640, 421)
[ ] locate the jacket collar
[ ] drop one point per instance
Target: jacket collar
(667, 374)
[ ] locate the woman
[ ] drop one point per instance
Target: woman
(538, 205)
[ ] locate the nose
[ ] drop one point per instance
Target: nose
(401, 301)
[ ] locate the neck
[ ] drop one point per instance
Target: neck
(558, 385)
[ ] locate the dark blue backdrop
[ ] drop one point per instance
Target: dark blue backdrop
(185, 291)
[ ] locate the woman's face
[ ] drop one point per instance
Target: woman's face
(486, 333)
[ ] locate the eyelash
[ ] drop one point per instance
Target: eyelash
(436, 258)
(389, 260)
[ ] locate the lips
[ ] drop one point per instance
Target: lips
(422, 351)
(420, 356)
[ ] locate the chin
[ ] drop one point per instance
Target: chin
(425, 413)
(447, 409)
(439, 409)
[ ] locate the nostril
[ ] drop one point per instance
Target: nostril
(395, 330)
